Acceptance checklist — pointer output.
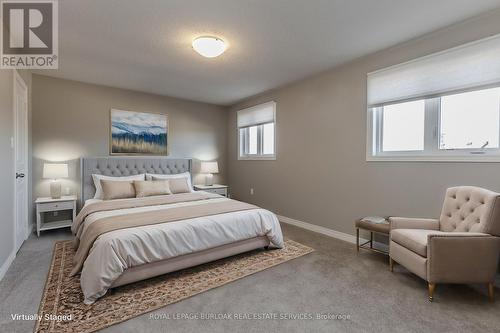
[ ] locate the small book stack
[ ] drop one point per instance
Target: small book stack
(375, 219)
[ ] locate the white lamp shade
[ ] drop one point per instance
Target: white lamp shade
(209, 167)
(55, 170)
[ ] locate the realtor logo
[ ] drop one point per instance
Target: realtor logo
(29, 34)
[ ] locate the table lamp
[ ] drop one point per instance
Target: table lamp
(55, 171)
(209, 168)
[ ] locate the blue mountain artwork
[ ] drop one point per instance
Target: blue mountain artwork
(143, 136)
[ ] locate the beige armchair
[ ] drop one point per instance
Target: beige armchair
(461, 247)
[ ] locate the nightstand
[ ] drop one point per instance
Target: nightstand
(46, 205)
(216, 188)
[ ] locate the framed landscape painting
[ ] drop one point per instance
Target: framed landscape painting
(138, 133)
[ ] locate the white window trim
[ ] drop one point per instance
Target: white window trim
(255, 157)
(431, 152)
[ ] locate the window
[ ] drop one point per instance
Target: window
(441, 107)
(470, 120)
(256, 132)
(403, 128)
(268, 139)
(445, 127)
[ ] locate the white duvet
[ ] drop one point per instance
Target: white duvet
(112, 253)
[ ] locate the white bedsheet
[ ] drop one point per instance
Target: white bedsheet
(114, 252)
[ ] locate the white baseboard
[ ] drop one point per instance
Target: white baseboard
(12, 256)
(5, 267)
(29, 231)
(327, 232)
(321, 230)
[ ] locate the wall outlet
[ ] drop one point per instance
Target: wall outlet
(56, 213)
(251, 191)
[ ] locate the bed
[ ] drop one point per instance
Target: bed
(147, 237)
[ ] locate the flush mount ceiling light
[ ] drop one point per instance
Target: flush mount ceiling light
(209, 47)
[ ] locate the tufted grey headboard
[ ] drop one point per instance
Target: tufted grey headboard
(127, 166)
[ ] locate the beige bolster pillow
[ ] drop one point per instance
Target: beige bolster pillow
(151, 187)
(177, 185)
(117, 189)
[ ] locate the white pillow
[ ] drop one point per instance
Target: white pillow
(149, 176)
(98, 187)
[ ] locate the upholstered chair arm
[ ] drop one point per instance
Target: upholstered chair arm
(462, 257)
(413, 223)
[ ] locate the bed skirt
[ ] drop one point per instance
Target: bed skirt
(147, 271)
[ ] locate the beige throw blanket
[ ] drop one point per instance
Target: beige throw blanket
(102, 206)
(85, 237)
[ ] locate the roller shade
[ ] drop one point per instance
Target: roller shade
(464, 67)
(256, 115)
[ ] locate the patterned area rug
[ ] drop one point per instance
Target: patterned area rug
(63, 298)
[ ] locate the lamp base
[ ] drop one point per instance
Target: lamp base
(209, 180)
(55, 190)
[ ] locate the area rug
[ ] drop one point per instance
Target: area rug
(62, 308)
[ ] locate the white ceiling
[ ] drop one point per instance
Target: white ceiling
(146, 45)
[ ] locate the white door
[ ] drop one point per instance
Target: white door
(21, 160)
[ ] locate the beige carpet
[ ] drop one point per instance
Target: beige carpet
(63, 297)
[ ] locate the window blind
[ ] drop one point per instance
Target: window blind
(256, 115)
(464, 67)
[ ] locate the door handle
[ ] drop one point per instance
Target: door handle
(19, 175)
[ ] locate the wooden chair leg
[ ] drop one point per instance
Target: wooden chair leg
(391, 264)
(357, 239)
(432, 287)
(491, 292)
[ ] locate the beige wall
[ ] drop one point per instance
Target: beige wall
(7, 165)
(71, 120)
(321, 175)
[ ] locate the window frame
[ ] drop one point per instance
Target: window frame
(432, 134)
(242, 139)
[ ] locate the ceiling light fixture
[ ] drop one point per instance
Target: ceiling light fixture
(209, 47)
